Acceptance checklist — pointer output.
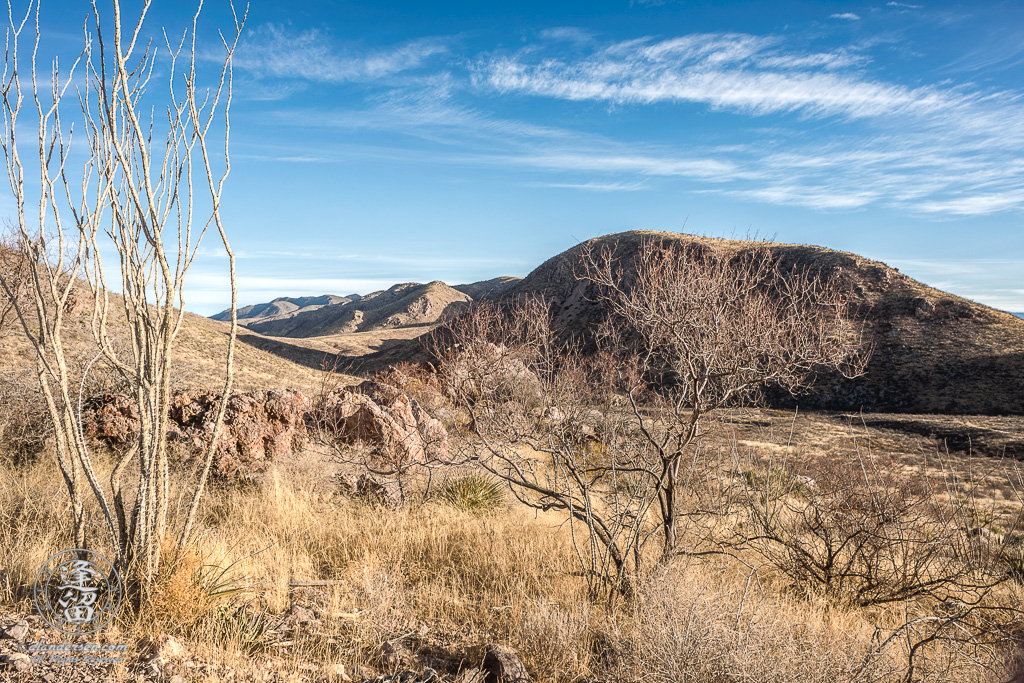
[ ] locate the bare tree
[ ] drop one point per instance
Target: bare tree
(541, 419)
(138, 190)
(690, 329)
(611, 435)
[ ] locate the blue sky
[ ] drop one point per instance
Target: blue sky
(383, 142)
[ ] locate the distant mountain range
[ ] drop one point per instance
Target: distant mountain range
(403, 305)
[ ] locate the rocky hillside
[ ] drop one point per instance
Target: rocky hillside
(403, 305)
(488, 289)
(283, 307)
(932, 351)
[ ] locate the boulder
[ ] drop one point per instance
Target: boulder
(490, 371)
(259, 426)
(501, 664)
(381, 415)
(112, 418)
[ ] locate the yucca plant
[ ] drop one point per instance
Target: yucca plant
(473, 492)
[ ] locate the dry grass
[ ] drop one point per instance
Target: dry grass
(445, 579)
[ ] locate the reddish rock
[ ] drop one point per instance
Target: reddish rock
(381, 415)
(113, 418)
(258, 426)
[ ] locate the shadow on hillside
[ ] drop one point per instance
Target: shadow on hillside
(390, 352)
(981, 435)
(301, 355)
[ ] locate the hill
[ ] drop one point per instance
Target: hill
(932, 351)
(282, 307)
(488, 289)
(404, 305)
(198, 354)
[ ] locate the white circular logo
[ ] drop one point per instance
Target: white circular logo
(77, 592)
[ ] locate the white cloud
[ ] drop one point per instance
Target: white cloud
(978, 204)
(595, 187)
(311, 55)
(849, 16)
(571, 34)
(737, 72)
(649, 165)
(903, 5)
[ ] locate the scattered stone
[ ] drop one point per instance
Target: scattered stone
(501, 664)
(177, 679)
(17, 661)
(337, 672)
(387, 492)
(16, 631)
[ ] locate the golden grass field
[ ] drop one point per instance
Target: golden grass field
(445, 579)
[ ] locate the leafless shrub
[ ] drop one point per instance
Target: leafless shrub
(865, 535)
(542, 420)
(692, 329)
(609, 436)
(24, 420)
(691, 627)
(15, 278)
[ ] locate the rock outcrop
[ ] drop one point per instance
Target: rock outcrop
(490, 371)
(259, 426)
(380, 415)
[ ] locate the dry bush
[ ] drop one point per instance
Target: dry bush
(868, 537)
(444, 579)
(15, 279)
(25, 422)
(712, 623)
(611, 436)
(543, 420)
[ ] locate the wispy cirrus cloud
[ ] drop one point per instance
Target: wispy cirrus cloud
(936, 150)
(281, 52)
(595, 187)
(739, 72)
(848, 16)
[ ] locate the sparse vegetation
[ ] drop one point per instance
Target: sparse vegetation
(579, 486)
